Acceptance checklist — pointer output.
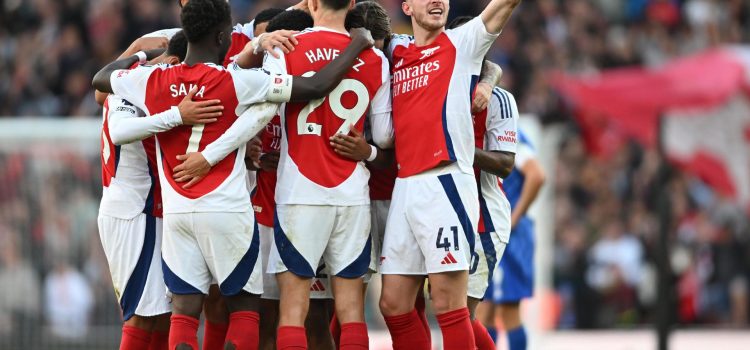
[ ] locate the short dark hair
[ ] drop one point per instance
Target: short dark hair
(202, 17)
(335, 4)
(290, 20)
(458, 21)
(371, 16)
(266, 16)
(178, 46)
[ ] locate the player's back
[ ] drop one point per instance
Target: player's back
(223, 188)
(310, 171)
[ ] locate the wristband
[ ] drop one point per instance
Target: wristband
(141, 57)
(373, 153)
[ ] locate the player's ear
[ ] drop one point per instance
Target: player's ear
(406, 8)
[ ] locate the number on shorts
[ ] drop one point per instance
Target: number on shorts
(350, 115)
(444, 242)
(474, 262)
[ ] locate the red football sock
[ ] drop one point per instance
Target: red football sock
(354, 336)
(291, 338)
(456, 328)
(407, 332)
(335, 330)
(243, 330)
(482, 337)
(159, 341)
(134, 338)
(183, 330)
(419, 305)
(214, 335)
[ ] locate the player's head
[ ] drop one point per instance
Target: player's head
(319, 7)
(261, 20)
(290, 20)
(208, 24)
(458, 21)
(373, 17)
(176, 50)
(430, 15)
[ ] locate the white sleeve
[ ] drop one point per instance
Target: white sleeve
(130, 84)
(273, 64)
(126, 124)
(381, 122)
(164, 33)
(256, 85)
(502, 122)
(249, 123)
(472, 38)
(245, 29)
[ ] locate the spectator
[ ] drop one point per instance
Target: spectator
(67, 302)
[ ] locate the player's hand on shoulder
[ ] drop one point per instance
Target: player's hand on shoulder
(282, 39)
(353, 146)
(481, 97)
(362, 36)
(192, 170)
(199, 112)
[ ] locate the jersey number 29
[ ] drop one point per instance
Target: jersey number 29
(350, 115)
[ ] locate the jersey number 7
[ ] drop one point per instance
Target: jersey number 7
(350, 115)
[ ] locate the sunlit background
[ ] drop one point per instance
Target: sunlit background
(638, 110)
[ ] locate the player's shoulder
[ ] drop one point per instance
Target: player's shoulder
(400, 40)
(244, 29)
(503, 97)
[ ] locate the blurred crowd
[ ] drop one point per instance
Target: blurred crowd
(606, 209)
(608, 217)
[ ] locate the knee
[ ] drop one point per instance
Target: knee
(141, 322)
(391, 304)
(445, 300)
(189, 305)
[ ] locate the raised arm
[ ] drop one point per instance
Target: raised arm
(102, 81)
(496, 14)
(488, 79)
(323, 82)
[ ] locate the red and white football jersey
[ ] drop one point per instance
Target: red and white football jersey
(241, 35)
(263, 197)
(495, 129)
(158, 88)
(129, 175)
(432, 90)
(310, 172)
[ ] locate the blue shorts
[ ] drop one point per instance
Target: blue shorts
(514, 279)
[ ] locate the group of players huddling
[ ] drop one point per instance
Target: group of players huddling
(362, 159)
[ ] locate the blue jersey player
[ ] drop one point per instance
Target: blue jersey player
(515, 278)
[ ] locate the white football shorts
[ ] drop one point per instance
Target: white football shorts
(133, 250)
(431, 224)
(319, 287)
(203, 247)
(305, 234)
(488, 250)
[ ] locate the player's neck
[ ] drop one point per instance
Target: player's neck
(201, 54)
(424, 37)
(331, 20)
